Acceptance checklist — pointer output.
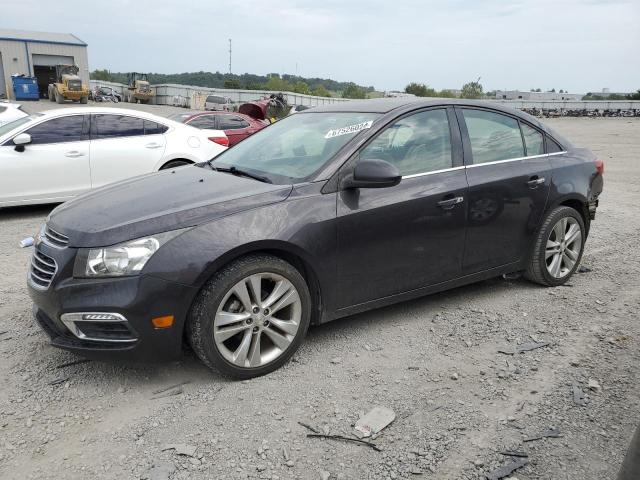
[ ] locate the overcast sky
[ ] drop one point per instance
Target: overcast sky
(576, 45)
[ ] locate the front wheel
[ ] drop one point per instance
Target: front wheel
(251, 317)
(558, 247)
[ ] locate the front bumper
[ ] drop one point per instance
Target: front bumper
(138, 299)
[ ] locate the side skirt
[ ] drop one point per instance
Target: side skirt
(421, 292)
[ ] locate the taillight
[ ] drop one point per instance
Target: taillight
(599, 166)
(224, 141)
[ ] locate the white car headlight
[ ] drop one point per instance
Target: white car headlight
(127, 258)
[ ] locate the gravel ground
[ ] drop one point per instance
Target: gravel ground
(434, 361)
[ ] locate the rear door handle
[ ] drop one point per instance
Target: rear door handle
(535, 181)
(153, 145)
(449, 203)
(73, 154)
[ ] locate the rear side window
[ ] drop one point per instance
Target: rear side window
(214, 99)
(493, 136)
(204, 121)
(231, 122)
(533, 140)
(111, 126)
(153, 128)
(419, 143)
(552, 146)
(58, 130)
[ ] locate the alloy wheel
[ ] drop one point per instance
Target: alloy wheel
(563, 247)
(257, 320)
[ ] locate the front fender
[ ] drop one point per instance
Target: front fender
(302, 226)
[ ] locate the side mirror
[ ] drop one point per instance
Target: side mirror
(21, 140)
(373, 174)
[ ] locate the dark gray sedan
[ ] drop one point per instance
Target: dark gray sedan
(326, 213)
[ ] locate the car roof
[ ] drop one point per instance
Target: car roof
(387, 105)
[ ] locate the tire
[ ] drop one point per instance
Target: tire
(175, 164)
(59, 98)
(83, 100)
(217, 298)
(52, 96)
(541, 269)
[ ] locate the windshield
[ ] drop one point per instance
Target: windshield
(293, 149)
(6, 128)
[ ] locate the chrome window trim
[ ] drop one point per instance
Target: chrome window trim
(497, 162)
(433, 172)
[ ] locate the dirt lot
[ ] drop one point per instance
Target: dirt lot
(434, 361)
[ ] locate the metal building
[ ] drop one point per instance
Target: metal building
(36, 54)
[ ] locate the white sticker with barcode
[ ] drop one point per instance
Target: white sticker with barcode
(350, 129)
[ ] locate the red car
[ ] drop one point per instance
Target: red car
(237, 126)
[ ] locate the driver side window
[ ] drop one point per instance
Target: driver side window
(419, 143)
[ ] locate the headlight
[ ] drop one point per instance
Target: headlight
(127, 258)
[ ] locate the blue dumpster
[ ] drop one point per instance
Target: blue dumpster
(25, 88)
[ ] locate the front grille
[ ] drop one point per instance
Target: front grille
(54, 238)
(43, 269)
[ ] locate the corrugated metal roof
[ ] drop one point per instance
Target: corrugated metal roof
(40, 37)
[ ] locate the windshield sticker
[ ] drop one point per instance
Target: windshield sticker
(350, 129)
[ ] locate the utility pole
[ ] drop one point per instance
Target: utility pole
(229, 56)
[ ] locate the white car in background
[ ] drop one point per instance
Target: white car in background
(10, 112)
(52, 157)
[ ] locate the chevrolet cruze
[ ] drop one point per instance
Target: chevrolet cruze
(324, 214)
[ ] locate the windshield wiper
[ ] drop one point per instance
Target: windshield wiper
(242, 173)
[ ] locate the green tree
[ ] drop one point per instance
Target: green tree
(420, 90)
(472, 90)
(103, 75)
(353, 91)
(320, 91)
(275, 83)
(232, 83)
(635, 96)
(301, 87)
(446, 94)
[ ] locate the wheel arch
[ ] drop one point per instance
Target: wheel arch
(578, 203)
(286, 251)
(166, 161)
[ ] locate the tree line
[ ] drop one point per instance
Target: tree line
(469, 90)
(321, 87)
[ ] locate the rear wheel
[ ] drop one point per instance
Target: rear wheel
(52, 96)
(251, 317)
(558, 248)
(83, 100)
(59, 98)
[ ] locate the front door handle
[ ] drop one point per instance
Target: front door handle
(449, 203)
(153, 145)
(535, 181)
(73, 154)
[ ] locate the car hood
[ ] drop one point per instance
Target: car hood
(159, 202)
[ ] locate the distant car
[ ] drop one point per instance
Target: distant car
(10, 112)
(236, 126)
(52, 157)
(217, 103)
